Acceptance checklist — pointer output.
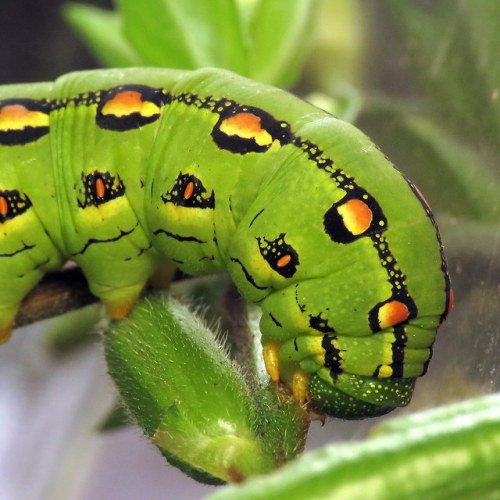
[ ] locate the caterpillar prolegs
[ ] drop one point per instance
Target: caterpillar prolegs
(120, 170)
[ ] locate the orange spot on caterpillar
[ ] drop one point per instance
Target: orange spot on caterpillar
(188, 191)
(392, 313)
(246, 126)
(4, 206)
(284, 260)
(356, 215)
(128, 102)
(18, 117)
(100, 188)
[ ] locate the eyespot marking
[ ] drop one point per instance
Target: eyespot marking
(356, 215)
(279, 255)
(23, 121)
(246, 129)
(128, 107)
(13, 204)
(189, 191)
(99, 188)
(392, 312)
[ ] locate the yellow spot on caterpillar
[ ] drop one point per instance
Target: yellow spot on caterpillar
(18, 117)
(188, 191)
(385, 371)
(271, 353)
(128, 102)
(246, 126)
(392, 313)
(284, 261)
(356, 215)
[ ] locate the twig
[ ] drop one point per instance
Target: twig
(56, 294)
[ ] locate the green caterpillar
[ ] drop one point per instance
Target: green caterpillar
(126, 171)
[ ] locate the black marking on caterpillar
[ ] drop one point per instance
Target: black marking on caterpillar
(398, 351)
(20, 250)
(397, 280)
(113, 188)
(141, 252)
(320, 324)
(301, 307)
(96, 241)
(280, 256)
(177, 237)
(256, 215)
(333, 357)
(13, 204)
(248, 276)
(275, 321)
(189, 191)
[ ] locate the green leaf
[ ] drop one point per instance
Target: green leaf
(102, 31)
(280, 32)
(185, 34)
(448, 454)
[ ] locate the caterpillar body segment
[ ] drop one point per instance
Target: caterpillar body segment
(122, 169)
